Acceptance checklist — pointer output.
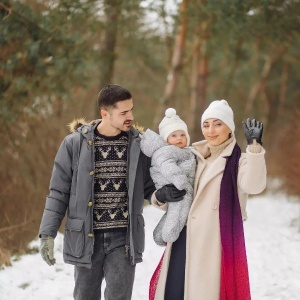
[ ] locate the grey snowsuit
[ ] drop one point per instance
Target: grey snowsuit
(72, 189)
(170, 165)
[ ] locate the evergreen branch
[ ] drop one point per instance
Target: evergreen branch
(26, 21)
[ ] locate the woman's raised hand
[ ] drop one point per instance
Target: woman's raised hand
(253, 130)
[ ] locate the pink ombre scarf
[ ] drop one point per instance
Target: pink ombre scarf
(234, 269)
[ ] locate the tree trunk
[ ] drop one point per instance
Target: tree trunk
(283, 86)
(260, 84)
(237, 54)
(112, 11)
(176, 65)
(5, 12)
(275, 111)
(198, 81)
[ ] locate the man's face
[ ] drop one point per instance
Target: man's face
(120, 117)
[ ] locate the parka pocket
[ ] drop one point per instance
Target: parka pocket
(140, 234)
(74, 237)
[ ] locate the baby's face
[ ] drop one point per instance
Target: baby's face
(177, 138)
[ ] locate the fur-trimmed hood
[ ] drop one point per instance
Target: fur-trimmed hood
(77, 123)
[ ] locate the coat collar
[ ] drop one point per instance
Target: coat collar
(201, 150)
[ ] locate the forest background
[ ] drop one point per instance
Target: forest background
(55, 56)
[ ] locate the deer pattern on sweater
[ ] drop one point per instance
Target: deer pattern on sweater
(110, 190)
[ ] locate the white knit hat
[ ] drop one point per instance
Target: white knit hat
(170, 123)
(219, 109)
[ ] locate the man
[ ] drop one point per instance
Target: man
(100, 179)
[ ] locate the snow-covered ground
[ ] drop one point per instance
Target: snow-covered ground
(273, 247)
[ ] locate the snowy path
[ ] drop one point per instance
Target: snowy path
(273, 248)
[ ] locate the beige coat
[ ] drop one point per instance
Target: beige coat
(203, 245)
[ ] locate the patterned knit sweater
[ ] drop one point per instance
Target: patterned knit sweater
(110, 190)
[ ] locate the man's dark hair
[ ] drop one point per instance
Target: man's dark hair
(111, 94)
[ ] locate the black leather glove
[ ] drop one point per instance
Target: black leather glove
(169, 193)
(253, 130)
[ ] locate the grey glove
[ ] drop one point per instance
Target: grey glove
(253, 130)
(46, 249)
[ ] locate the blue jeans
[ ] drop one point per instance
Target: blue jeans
(109, 262)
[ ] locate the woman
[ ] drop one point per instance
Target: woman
(208, 260)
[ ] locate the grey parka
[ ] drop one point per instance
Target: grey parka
(72, 189)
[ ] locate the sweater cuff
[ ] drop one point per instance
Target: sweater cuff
(255, 147)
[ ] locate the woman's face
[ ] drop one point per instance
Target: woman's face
(215, 131)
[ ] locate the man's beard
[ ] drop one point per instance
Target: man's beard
(126, 126)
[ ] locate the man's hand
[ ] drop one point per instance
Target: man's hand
(253, 130)
(169, 193)
(46, 249)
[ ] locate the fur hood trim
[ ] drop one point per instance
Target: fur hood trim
(139, 128)
(76, 123)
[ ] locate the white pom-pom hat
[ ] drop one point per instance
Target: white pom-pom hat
(219, 109)
(170, 123)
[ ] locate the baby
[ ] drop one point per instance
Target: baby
(172, 162)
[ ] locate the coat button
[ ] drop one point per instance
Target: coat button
(215, 206)
(90, 235)
(90, 203)
(91, 173)
(90, 142)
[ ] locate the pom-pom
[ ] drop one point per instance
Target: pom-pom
(170, 112)
(224, 102)
(217, 103)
